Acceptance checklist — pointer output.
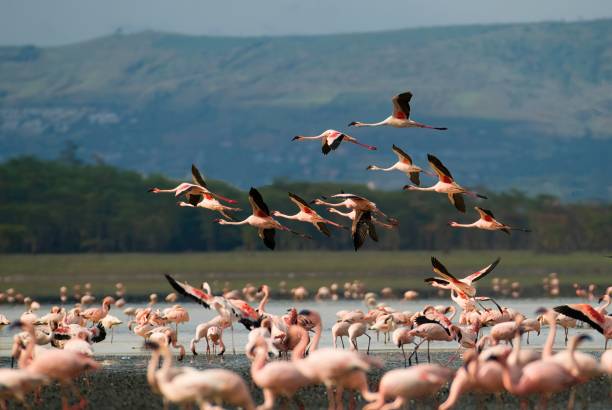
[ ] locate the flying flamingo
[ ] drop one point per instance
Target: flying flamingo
(281, 378)
(403, 385)
(446, 185)
(404, 164)
(462, 286)
(196, 192)
(363, 225)
(261, 219)
(400, 117)
(487, 222)
(331, 140)
(351, 215)
(586, 313)
(309, 215)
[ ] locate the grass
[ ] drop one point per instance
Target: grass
(42, 275)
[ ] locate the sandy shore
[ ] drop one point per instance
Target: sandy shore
(121, 384)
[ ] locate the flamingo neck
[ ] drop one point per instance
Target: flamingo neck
(152, 368)
(282, 215)
(374, 124)
(547, 352)
(300, 349)
(458, 225)
(375, 168)
(243, 222)
(264, 301)
(259, 362)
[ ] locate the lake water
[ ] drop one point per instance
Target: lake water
(127, 343)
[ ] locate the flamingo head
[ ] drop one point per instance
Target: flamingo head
(352, 123)
(296, 138)
(109, 300)
(154, 190)
(275, 213)
(453, 223)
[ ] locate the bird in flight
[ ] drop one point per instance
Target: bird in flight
(331, 139)
(400, 118)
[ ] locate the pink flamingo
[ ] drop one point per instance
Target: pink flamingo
(446, 185)
(176, 314)
(487, 222)
(404, 164)
(308, 215)
(462, 286)
(96, 314)
(277, 378)
(262, 220)
(586, 313)
(195, 192)
(201, 331)
(331, 140)
(400, 337)
(311, 321)
(402, 385)
(400, 117)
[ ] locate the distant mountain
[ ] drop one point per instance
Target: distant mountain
(527, 105)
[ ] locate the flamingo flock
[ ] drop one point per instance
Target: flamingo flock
(284, 349)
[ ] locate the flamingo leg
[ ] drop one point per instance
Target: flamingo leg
(330, 398)
(428, 356)
(369, 341)
(404, 353)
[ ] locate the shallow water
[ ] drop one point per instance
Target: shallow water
(126, 343)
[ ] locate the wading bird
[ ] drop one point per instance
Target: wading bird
(446, 185)
(309, 215)
(261, 219)
(404, 164)
(487, 222)
(400, 117)
(331, 140)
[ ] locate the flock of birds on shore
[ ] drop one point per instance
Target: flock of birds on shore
(489, 366)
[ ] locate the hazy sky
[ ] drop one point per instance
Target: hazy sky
(46, 22)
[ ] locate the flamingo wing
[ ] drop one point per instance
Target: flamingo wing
(446, 275)
(359, 229)
(436, 280)
(197, 177)
(257, 203)
(415, 178)
(303, 205)
(322, 227)
(335, 140)
(401, 155)
(481, 273)
(485, 214)
(443, 173)
(185, 289)
(349, 196)
(583, 312)
(267, 235)
(458, 201)
(194, 199)
(401, 105)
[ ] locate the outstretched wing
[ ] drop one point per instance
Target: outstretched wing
(420, 320)
(303, 205)
(257, 203)
(458, 201)
(322, 227)
(401, 155)
(360, 228)
(484, 213)
(415, 178)
(267, 235)
(197, 178)
(443, 173)
(436, 280)
(481, 273)
(185, 289)
(334, 141)
(401, 105)
(584, 313)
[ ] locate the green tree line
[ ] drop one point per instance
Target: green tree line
(67, 206)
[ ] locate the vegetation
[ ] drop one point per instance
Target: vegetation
(67, 206)
(531, 99)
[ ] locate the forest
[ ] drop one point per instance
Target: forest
(67, 206)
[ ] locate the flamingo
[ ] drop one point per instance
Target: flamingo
(400, 337)
(96, 314)
(365, 209)
(331, 140)
(261, 219)
(187, 385)
(351, 215)
(195, 192)
(462, 286)
(276, 378)
(446, 185)
(201, 331)
(402, 385)
(432, 330)
(309, 215)
(487, 222)
(176, 314)
(339, 330)
(404, 164)
(356, 330)
(586, 313)
(311, 321)
(400, 117)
